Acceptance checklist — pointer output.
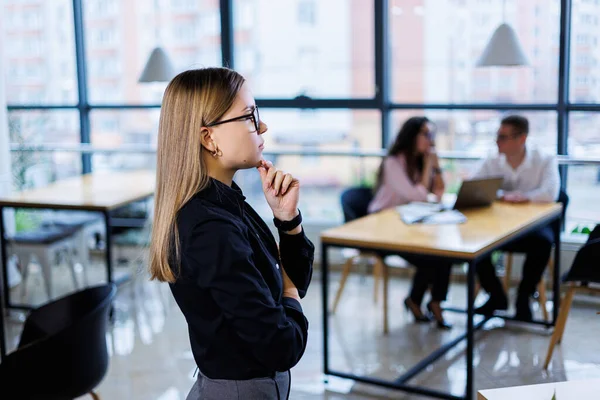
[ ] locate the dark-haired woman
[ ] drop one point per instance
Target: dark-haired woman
(410, 172)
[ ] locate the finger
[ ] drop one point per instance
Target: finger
(287, 181)
(263, 173)
(271, 171)
(277, 181)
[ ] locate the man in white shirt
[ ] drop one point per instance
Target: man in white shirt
(529, 175)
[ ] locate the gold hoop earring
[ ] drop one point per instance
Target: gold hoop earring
(217, 152)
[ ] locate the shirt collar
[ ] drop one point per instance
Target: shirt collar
(526, 161)
(230, 198)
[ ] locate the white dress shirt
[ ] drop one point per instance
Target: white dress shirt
(537, 177)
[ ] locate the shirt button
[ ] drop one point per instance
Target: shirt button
(277, 266)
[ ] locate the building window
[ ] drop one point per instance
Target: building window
(306, 13)
(103, 37)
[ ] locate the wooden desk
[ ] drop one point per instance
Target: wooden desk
(487, 229)
(572, 390)
(99, 191)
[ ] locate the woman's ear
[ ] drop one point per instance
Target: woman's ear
(207, 141)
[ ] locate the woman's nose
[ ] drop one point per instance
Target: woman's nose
(262, 128)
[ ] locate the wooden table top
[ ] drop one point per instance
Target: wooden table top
(485, 228)
(98, 191)
(572, 390)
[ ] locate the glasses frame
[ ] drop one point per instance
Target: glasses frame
(254, 116)
(502, 139)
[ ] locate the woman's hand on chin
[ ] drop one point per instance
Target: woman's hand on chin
(281, 189)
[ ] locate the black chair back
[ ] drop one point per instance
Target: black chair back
(563, 198)
(595, 233)
(586, 267)
(355, 202)
(62, 353)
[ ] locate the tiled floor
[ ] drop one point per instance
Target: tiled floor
(151, 358)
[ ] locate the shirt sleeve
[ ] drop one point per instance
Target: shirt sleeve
(297, 255)
(222, 256)
(396, 177)
(549, 185)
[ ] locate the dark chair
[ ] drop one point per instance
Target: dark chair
(62, 352)
(563, 198)
(585, 270)
(355, 202)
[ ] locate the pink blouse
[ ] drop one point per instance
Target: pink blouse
(396, 187)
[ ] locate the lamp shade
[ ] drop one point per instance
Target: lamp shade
(503, 49)
(158, 67)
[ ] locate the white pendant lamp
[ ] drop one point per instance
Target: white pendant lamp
(158, 67)
(503, 49)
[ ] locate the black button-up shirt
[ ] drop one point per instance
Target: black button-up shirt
(230, 286)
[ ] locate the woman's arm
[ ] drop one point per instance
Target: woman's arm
(297, 255)
(220, 254)
(282, 193)
(396, 177)
(438, 186)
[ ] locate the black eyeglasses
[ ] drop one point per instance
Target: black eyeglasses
(254, 116)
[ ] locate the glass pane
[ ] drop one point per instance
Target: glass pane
(474, 131)
(583, 187)
(34, 169)
(39, 52)
(120, 36)
(436, 44)
(585, 79)
(322, 129)
(314, 48)
(584, 134)
(583, 182)
(134, 130)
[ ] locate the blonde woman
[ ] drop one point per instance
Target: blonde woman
(224, 267)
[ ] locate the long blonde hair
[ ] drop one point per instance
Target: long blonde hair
(193, 99)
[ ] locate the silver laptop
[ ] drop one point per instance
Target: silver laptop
(477, 192)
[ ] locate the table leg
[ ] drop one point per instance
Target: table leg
(470, 328)
(385, 297)
(557, 277)
(108, 247)
(325, 287)
(4, 298)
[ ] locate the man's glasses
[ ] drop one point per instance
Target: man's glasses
(505, 138)
(254, 116)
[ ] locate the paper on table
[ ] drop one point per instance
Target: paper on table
(428, 213)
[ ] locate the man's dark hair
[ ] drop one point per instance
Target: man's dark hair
(519, 123)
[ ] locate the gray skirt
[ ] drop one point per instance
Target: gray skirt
(276, 388)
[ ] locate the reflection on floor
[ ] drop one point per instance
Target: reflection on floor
(151, 358)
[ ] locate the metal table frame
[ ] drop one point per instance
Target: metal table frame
(401, 383)
(108, 224)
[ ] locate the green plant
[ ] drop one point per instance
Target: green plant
(21, 161)
(26, 220)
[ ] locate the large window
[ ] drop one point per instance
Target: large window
(32, 127)
(289, 48)
(39, 52)
(330, 76)
(585, 52)
(436, 44)
(120, 34)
